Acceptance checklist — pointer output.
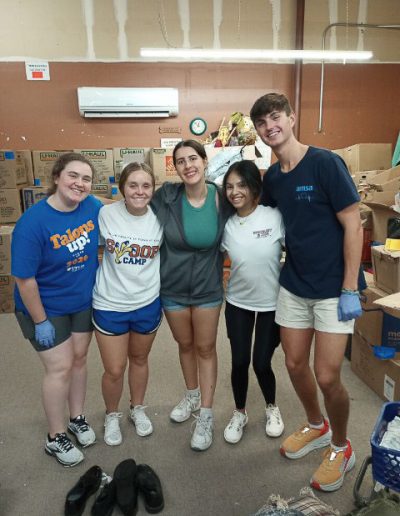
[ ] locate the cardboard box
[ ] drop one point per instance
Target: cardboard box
(7, 284)
(43, 162)
(368, 156)
(8, 169)
(101, 190)
(10, 205)
(25, 168)
(163, 166)
(382, 211)
(392, 186)
(31, 195)
(5, 249)
(125, 155)
(369, 325)
(386, 266)
(383, 177)
(391, 319)
(14, 166)
(382, 376)
(366, 216)
(103, 162)
(363, 178)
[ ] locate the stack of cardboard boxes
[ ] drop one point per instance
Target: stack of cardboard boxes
(368, 164)
(377, 332)
(376, 338)
(6, 280)
(15, 171)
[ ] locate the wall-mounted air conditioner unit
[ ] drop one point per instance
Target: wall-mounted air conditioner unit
(128, 102)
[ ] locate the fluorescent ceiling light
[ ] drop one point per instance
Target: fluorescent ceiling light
(237, 54)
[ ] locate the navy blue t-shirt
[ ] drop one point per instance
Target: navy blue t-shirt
(309, 196)
(58, 249)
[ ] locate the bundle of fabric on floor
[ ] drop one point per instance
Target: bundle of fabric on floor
(305, 504)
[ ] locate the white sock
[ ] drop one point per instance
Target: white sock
(338, 449)
(194, 393)
(317, 427)
(207, 412)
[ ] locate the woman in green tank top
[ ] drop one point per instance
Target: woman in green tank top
(193, 216)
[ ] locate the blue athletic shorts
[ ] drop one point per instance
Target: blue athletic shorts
(173, 306)
(144, 320)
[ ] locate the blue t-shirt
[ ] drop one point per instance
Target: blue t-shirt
(309, 196)
(59, 249)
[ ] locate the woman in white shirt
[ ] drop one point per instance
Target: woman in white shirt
(253, 239)
(126, 302)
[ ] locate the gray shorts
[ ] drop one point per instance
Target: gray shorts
(80, 322)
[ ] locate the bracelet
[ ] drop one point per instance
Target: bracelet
(41, 322)
(350, 292)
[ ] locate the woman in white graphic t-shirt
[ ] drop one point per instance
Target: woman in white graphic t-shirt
(126, 303)
(253, 239)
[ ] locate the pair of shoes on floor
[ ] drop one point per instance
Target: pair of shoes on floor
(234, 430)
(62, 448)
(129, 481)
(139, 418)
(335, 464)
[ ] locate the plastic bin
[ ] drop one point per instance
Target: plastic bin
(385, 461)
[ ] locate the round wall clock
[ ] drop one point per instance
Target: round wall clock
(198, 126)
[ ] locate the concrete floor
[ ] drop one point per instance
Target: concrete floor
(226, 480)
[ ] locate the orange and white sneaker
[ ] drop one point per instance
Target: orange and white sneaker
(330, 475)
(305, 440)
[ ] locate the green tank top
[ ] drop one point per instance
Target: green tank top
(200, 224)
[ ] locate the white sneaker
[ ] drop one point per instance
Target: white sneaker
(185, 407)
(82, 431)
(203, 433)
(274, 426)
(63, 450)
(112, 431)
(234, 431)
(141, 421)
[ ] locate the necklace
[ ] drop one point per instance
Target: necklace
(243, 220)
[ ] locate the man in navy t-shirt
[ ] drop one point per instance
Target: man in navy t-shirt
(318, 297)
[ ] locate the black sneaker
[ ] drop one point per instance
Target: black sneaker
(63, 450)
(82, 431)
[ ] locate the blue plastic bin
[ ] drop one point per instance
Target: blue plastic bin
(385, 461)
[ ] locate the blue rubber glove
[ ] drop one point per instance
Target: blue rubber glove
(349, 306)
(45, 333)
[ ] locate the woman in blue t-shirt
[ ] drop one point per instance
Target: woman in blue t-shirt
(54, 261)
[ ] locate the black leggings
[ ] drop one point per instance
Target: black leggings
(240, 325)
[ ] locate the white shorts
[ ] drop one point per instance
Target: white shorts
(301, 313)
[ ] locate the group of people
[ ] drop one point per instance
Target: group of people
(163, 254)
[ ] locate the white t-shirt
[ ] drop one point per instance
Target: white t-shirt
(254, 245)
(129, 275)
